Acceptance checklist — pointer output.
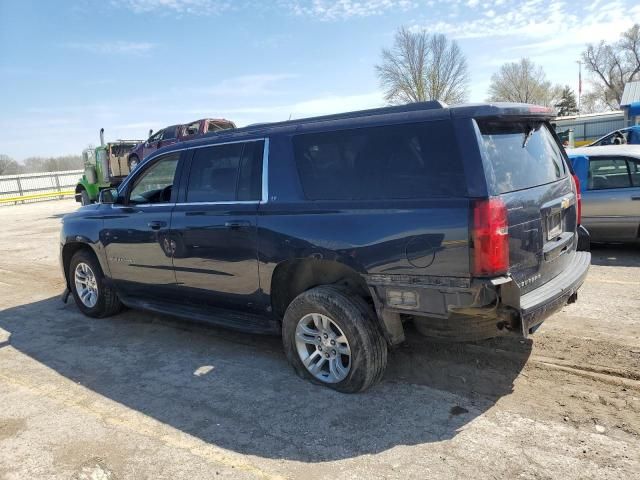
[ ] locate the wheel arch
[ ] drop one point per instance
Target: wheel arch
(69, 250)
(292, 277)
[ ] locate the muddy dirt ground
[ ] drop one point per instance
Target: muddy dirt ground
(143, 396)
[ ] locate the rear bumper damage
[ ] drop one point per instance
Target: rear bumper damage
(466, 310)
(542, 302)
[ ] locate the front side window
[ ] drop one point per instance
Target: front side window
(155, 137)
(155, 184)
(388, 162)
(519, 155)
(609, 172)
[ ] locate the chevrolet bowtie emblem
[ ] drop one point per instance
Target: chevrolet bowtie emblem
(565, 203)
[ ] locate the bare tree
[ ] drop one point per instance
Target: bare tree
(593, 102)
(8, 166)
(523, 82)
(614, 65)
(52, 164)
(423, 67)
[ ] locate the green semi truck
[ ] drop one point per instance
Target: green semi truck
(104, 167)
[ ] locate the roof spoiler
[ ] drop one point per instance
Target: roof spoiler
(500, 109)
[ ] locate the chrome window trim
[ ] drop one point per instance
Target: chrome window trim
(265, 175)
(209, 145)
(265, 171)
(145, 205)
(238, 202)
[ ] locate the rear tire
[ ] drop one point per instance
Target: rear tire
(92, 295)
(351, 327)
(84, 198)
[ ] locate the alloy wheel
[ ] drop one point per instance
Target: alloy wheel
(323, 348)
(86, 285)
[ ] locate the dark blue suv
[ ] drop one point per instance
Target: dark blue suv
(336, 231)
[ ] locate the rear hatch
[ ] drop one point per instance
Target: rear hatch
(526, 170)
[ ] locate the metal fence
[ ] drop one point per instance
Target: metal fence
(34, 187)
(584, 129)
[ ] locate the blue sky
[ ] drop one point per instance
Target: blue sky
(69, 68)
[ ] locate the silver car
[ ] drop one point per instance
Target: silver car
(611, 192)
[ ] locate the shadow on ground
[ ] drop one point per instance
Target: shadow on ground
(615, 255)
(247, 399)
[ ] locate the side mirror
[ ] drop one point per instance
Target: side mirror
(108, 196)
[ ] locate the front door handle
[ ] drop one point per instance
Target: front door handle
(235, 224)
(635, 198)
(156, 224)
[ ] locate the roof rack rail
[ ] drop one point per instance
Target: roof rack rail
(409, 107)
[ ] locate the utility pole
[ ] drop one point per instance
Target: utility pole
(579, 62)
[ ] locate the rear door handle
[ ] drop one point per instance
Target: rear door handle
(635, 198)
(235, 224)
(156, 224)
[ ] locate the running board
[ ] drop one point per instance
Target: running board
(219, 317)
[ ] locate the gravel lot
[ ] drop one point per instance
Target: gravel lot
(142, 396)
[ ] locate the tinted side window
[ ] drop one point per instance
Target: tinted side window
(389, 162)
(250, 181)
(608, 172)
(214, 173)
(169, 133)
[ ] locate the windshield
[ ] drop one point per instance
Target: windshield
(519, 155)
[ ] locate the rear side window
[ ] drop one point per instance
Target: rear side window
(389, 162)
(608, 173)
(214, 173)
(226, 173)
(519, 155)
(250, 180)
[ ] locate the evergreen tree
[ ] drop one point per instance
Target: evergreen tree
(567, 103)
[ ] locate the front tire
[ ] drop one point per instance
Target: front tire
(92, 296)
(84, 198)
(331, 338)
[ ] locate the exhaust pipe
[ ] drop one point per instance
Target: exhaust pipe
(150, 133)
(102, 137)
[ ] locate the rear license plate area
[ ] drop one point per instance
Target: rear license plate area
(554, 225)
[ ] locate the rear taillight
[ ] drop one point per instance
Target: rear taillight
(576, 182)
(490, 237)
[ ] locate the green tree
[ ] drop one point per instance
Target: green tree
(567, 103)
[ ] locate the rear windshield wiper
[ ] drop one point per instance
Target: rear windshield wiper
(527, 136)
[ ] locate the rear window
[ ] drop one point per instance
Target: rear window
(519, 155)
(390, 162)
